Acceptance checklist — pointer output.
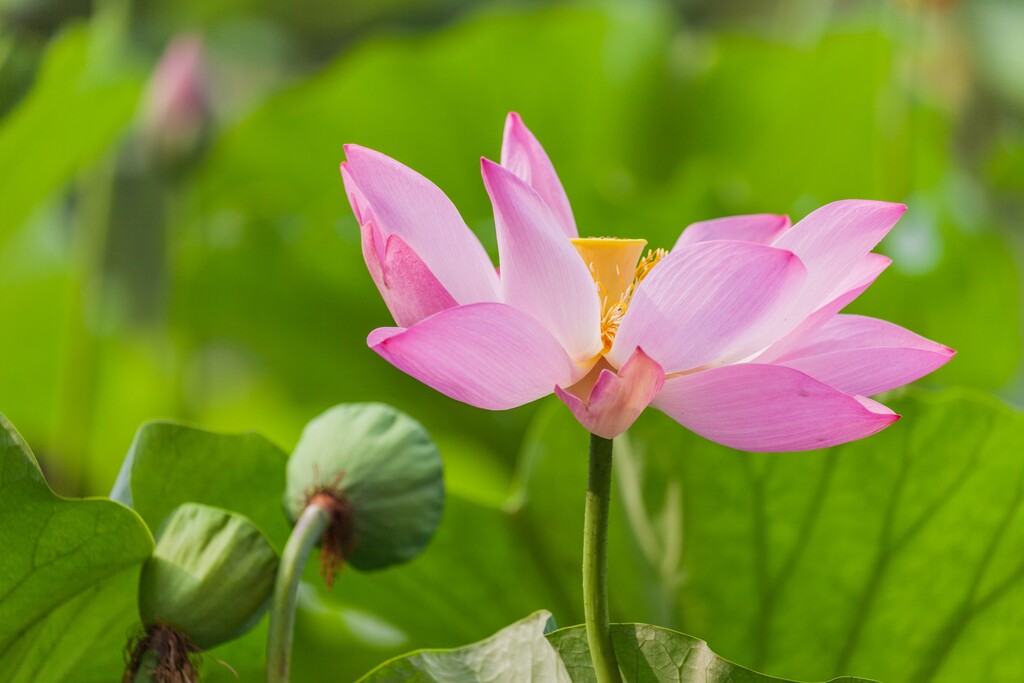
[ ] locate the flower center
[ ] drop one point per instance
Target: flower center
(617, 268)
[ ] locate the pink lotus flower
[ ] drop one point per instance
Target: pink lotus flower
(734, 333)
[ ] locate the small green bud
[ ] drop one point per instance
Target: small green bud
(210, 576)
(383, 469)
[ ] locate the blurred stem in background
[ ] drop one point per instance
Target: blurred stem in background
(111, 23)
(74, 425)
(595, 561)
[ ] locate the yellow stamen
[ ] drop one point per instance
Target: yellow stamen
(614, 266)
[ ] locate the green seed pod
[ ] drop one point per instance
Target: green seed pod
(384, 469)
(210, 576)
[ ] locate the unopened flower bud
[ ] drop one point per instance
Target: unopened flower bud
(385, 472)
(210, 576)
(177, 112)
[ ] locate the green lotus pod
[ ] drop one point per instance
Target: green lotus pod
(386, 470)
(210, 576)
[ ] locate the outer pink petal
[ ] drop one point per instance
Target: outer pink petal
(409, 289)
(769, 408)
(762, 228)
(617, 400)
(488, 355)
(862, 277)
(832, 241)
(700, 301)
(406, 204)
(861, 355)
(541, 272)
(522, 154)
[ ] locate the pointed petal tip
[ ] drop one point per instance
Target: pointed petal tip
(354, 152)
(494, 174)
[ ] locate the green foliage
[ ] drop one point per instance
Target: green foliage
(385, 465)
(68, 575)
(518, 652)
(71, 116)
(210, 575)
(650, 654)
(812, 565)
(530, 650)
(896, 558)
(171, 464)
(807, 565)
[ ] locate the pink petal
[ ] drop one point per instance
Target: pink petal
(762, 228)
(832, 241)
(541, 272)
(406, 204)
(861, 355)
(769, 408)
(522, 154)
(409, 289)
(700, 301)
(862, 277)
(616, 400)
(488, 355)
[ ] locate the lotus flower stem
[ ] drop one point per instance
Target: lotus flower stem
(312, 523)
(595, 561)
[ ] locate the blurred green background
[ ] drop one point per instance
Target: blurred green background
(222, 283)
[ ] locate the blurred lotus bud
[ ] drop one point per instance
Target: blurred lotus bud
(177, 114)
(380, 473)
(210, 576)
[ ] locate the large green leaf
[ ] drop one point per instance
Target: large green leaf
(170, 464)
(897, 557)
(856, 560)
(68, 575)
(68, 119)
(651, 654)
(517, 654)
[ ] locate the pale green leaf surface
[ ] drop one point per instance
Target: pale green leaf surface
(517, 654)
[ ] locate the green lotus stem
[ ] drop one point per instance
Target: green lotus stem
(595, 562)
(312, 523)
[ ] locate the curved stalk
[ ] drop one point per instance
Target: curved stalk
(311, 525)
(595, 561)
